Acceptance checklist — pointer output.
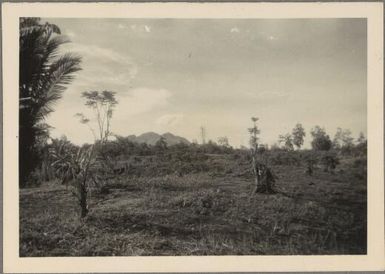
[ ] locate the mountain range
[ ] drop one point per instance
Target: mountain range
(151, 138)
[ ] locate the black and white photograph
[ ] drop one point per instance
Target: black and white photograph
(192, 136)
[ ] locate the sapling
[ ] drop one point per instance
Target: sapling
(74, 168)
(103, 104)
(298, 135)
(263, 176)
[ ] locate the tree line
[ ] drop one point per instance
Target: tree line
(321, 141)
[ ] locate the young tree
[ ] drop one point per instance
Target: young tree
(347, 138)
(262, 174)
(361, 145)
(298, 135)
(361, 139)
(223, 141)
(254, 132)
(287, 141)
(321, 141)
(44, 74)
(343, 139)
(103, 103)
(74, 168)
(337, 140)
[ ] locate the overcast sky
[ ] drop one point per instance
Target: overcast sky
(176, 75)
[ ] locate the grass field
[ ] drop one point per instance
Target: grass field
(202, 213)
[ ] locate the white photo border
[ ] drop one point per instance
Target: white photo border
(374, 260)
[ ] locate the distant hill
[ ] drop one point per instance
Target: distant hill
(172, 139)
(151, 138)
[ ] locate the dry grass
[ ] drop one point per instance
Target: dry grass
(208, 213)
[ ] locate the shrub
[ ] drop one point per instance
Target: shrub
(360, 162)
(321, 141)
(75, 169)
(282, 157)
(330, 162)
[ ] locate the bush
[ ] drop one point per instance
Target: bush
(321, 141)
(330, 162)
(288, 158)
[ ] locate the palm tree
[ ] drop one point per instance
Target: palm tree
(44, 75)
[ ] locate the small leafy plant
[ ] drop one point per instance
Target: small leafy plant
(73, 168)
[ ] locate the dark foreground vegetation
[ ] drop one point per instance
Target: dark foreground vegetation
(196, 200)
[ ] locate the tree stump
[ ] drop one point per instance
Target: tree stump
(264, 180)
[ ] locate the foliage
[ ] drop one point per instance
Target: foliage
(321, 141)
(254, 132)
(298, 135)
(213, 148)
(44, 75)
(263, 176)
(287, 141)
(103, 103)
(75, 169)
(361, 139)
(362, 146)
(343, 140)
(330, 162)
(223, 141)
(284, 157)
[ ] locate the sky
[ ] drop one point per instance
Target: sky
(176, 75)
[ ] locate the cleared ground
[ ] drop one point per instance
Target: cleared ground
(205, 213)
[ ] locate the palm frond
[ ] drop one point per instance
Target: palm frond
(60, 74)
(49, 53)
(53, 46)
(32, 48)
(25, 22)
(38, 50)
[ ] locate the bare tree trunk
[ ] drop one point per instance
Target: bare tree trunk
(83, 187)
(83, 200)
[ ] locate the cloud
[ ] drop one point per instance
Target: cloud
(267, 94)
(141, 100)
(170, 119)
(104, 54)
(70, 34)
(147, 28)
(102, 68)
(272, 38)
(140, 28)
(235, 29)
